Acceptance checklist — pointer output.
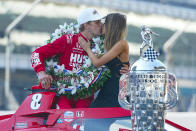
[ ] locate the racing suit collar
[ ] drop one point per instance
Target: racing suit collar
(84, 37)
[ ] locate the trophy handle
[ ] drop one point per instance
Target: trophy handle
(172, 94)
(124, 93)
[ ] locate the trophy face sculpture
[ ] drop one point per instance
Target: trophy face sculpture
(148, 90)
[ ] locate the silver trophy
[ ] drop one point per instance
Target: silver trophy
(148, 90)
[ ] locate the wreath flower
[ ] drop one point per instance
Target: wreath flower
(76, 84)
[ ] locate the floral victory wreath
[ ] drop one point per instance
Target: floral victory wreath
(81, 83)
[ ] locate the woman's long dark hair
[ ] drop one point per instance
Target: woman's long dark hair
(115, 29)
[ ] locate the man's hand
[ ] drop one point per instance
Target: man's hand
(124, 69)
(45, 79)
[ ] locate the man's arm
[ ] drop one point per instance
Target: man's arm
(46, 51)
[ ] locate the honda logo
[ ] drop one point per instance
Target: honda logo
(79, 113)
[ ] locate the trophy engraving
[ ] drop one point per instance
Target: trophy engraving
(148, 90)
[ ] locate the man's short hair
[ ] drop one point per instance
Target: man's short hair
(81, 28)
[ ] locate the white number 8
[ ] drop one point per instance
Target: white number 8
(35, 104)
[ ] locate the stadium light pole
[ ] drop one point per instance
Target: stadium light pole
(170, 43)
(8, 50)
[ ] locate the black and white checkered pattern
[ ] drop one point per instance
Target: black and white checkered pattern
(151, 54)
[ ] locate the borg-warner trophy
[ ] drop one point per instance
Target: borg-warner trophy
(148, 90)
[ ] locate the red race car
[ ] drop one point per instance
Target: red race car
(37, 113)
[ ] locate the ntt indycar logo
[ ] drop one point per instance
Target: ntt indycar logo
(68, 116)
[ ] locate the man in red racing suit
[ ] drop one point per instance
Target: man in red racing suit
(71, 54)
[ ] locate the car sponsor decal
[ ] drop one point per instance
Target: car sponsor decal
(21, 125)
(68, 116)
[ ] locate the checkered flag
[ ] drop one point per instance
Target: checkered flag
(151, 54)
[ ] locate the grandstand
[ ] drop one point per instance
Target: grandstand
(163, 17)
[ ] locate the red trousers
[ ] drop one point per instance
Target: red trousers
(65, 103)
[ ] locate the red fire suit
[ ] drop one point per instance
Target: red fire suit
(71, 55)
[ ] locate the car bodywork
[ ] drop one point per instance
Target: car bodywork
(38, 112)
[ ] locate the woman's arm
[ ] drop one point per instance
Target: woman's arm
(117, 49)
